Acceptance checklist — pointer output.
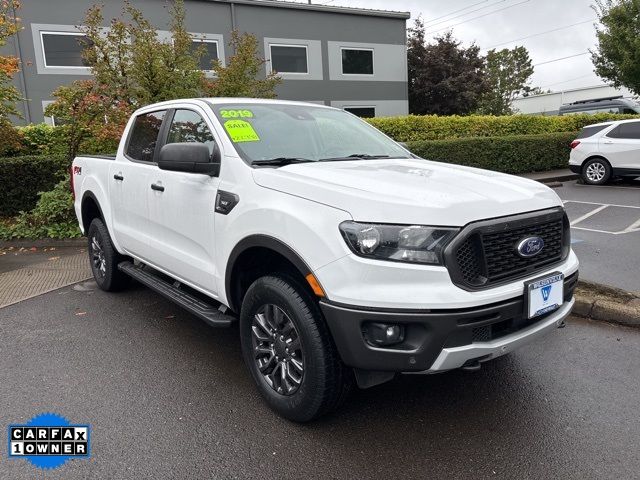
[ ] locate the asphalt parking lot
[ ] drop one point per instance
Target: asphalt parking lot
(605, 222)
(168, 397)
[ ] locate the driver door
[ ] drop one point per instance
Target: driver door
(181, 208)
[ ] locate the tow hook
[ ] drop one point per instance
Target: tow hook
(472, 367)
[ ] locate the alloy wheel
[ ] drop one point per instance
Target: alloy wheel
(277, 349)
(97, 257)
(596, 172)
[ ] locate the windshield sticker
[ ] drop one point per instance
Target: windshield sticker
(236, 113)
(241, 131)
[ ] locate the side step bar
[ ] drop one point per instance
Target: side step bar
(205, 311)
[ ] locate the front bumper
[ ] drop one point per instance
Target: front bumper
(440, 340)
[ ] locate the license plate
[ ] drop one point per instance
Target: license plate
(544, 295)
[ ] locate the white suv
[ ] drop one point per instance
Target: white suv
(607, 150)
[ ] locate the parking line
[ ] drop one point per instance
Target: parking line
(607, 186)
(633, 227)
(600, 203)
(587, 215)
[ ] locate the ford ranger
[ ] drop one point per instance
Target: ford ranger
(344, 258)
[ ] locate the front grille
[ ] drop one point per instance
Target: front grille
(485, 254)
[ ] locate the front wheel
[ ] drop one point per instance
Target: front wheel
(596, 171)
(289, 351)
(104, 258)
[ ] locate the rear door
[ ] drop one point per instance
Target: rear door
(129, 184)
(181, 211)
(621, 146)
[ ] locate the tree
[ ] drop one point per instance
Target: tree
(444, 78)
(241, 77)
(130, 61)
(508, 73)
(87, 113)
(617, 55)
(9, 65)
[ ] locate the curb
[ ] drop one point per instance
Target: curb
(45, 242)
(607, 304)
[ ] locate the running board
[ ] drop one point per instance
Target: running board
(210, 313)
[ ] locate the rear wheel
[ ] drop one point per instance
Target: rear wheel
(104, 258)
(289, 351)
(596, 171)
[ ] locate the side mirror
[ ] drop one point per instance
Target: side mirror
(190, 157)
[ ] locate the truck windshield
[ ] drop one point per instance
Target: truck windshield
(278, 134)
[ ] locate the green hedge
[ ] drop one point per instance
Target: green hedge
(513, 154)
(434, 127)
(22, 178)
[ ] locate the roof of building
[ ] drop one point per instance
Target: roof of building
(320, 8)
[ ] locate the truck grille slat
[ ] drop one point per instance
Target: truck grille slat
(486, 254)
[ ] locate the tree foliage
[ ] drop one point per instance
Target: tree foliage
(241, 77)
(9, 65)
(617, 56)
(444, 77)
(508, 72)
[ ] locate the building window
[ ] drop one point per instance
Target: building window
(362, 112)
(357, 61)
(64, 49)
(210, 53)
(289, 58)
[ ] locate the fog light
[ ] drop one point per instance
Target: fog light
(382, 334)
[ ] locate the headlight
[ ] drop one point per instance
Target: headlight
(400, 243)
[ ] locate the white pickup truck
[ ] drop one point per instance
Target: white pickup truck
(344, 258)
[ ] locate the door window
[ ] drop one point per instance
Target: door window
(144, 136)
(189, 126)
(626, 130)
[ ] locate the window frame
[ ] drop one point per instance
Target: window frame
(360, 49)
(208, 40)
(306, 53)
(44, 53)
(346, 107)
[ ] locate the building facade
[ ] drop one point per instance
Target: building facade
(344, 57)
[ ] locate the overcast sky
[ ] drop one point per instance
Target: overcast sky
(515, 19)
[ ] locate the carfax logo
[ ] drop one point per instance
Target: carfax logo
(49, 440)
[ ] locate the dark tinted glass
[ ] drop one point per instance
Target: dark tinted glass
(64, 50)
(210, 53)
(626, 130)
(357, 62)
(363, 112)
(189, 126)
(144, 136)
(589, 131)
(289, 59)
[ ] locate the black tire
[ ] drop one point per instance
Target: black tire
(104, 258)
(596, 171)
(324, 381)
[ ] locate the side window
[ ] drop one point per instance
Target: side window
(189, 126)
(626, 130)
(144, 136)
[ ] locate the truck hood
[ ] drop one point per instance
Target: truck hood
(409, 191)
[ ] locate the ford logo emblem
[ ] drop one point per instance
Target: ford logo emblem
(531, 246)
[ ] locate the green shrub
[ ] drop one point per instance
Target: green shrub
(21, 178)
(10, 140)
(43, 139)
(513, 154)
(52, 217)
(434, 127)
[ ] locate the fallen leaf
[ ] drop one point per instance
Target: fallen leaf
(54, 258)
(79, 314)
(33, 249)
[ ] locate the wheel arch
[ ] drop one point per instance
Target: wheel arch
(89, 209)
(274, 255)
(593, 157)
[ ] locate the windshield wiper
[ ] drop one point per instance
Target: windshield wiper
(359, 156)
(281, 161)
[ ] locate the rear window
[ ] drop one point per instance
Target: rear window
(589, 131)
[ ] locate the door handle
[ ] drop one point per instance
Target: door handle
(608, 142)
(118, 176)
(157, 188)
